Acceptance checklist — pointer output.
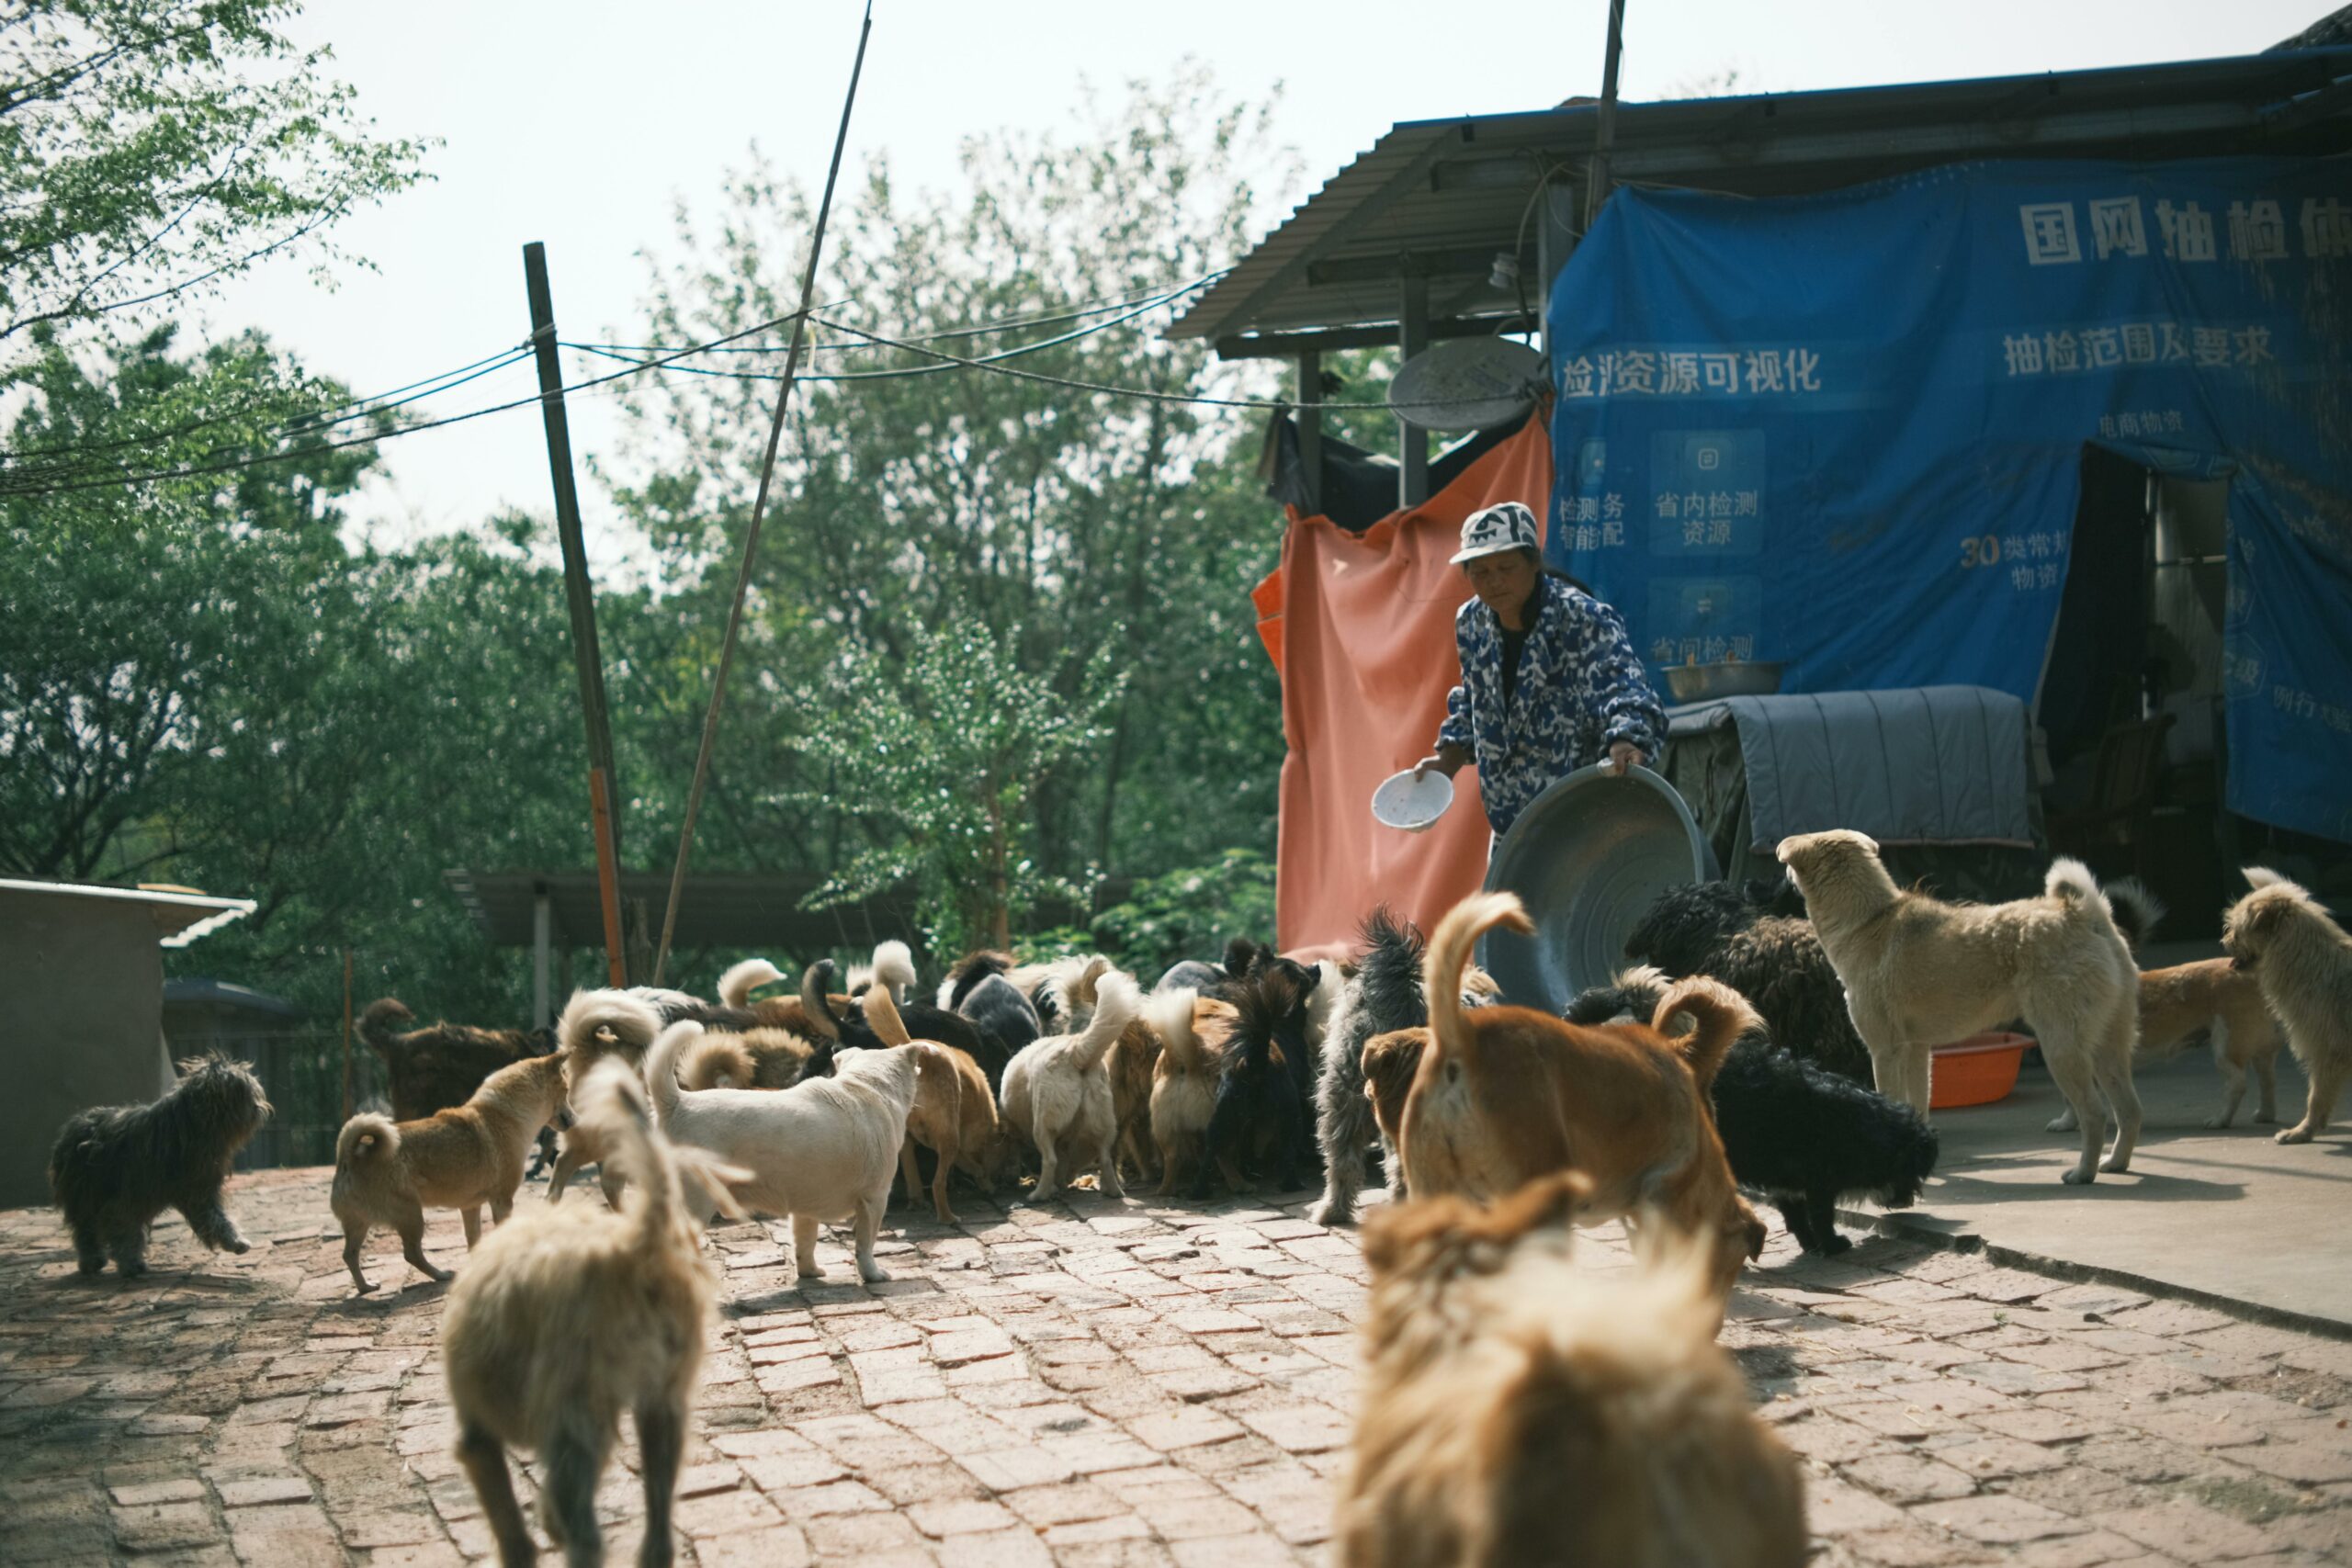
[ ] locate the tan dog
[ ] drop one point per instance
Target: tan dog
(954, 1116)
(2302, 961)
(1520, 1410)
(571, 1316)
(757, 1059)
(1504, 1095)
(1057, 1095)
(1391, 1062)
(2215, 1002)
(1135, 1056)
(388, 1173)
(1919, 972)
(596, 1025)
(1192, 1033)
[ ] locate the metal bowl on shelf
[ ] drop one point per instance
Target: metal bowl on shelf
(1709, 683)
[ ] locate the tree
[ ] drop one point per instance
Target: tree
(940, 752)
(914, 499)
(132, 608)
(154, 148)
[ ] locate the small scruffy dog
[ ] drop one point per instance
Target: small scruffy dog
(1803, 1136)
(114, 1167)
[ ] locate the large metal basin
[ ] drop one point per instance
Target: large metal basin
(1587, 858)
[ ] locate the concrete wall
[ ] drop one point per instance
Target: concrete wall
(85, 982)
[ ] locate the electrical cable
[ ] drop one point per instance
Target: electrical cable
(1149, 304)
(981, 330)
(13, 460)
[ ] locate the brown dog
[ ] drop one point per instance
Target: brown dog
(462, 1158)
(1193, 1031)
(953, 1115)
(1504, 1095)
(1519, 1410)
(2302, 961)
(434, 1069)
(757, 1059)
(2179, 1005)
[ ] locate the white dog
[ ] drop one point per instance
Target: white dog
(1057, 1093)
(822, 1150)
(1919, 971)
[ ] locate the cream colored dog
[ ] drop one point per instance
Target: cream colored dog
(571, 1316)
(1919, 971)
(2302, 961)
(1058, 1094)
(821, 1151)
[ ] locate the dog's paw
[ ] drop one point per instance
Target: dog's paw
(2116, 1165)
(1331, 1211)
(814, 1271)
(873, 1273)
(2061, 1123)
(2078, 1177)
(237, 1244)
(1833, 1245)
(2295, 1135)
(363, 1288)
(2219, 1121)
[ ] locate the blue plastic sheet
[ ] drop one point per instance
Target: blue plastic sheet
(1845, 430)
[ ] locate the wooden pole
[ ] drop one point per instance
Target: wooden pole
(578, 594)
(758, 511)
(346, 1035)
(608, 882)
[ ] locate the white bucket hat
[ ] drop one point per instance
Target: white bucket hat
(1506, 525)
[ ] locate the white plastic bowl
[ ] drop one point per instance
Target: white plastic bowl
(1411, 803)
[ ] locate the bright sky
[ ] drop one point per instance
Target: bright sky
(582, 122)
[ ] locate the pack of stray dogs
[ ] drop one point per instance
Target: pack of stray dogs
(1766, 1045)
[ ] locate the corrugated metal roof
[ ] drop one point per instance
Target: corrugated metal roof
(1453, 192)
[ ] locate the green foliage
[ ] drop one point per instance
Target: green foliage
(941, 753)
(1062, 521)
(1182, 914)
(150, 149)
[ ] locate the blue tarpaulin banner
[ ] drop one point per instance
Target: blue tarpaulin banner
(1845, 431)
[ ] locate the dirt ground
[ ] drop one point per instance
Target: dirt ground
(1114, 1384)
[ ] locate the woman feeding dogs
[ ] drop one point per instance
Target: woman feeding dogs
(1550, 680)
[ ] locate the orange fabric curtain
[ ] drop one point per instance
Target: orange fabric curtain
(1361, 629)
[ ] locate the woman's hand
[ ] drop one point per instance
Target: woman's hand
(1624, 757)
(1446, 760)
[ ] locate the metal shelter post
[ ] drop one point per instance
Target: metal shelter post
(1412, 336)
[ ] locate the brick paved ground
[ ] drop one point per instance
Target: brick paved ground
(1117, 1384)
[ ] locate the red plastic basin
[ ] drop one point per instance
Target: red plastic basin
(1976, 1071)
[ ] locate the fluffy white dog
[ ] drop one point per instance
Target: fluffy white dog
(1919, 971)
(1057, 1093)
(821, 1151)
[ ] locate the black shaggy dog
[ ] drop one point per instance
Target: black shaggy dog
(114, 1167)
(1385, 994)
(1801, 1136)
(978, 990)
(434, 1069)
(1259, 1116)
(847, 1029)
(1684, 925)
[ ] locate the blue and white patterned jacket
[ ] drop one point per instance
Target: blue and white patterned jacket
(1580, 690)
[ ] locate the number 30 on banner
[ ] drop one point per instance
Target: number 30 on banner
(1980, 550)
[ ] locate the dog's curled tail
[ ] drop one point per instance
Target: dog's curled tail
(1449, 955)
(1717, 1016)
(631, 1021)
(613, 1111)
(735, 986)
(718, 1061)
(882, 1010)
(1169, 1014)
(662, 1066)
(379, 1025)
(2136, 910)
(1116, 1002)
(367, 1139)
(894, 966)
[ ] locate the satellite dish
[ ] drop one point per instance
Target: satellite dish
(1470, 383)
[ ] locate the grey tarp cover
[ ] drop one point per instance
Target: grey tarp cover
(1923, 765)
